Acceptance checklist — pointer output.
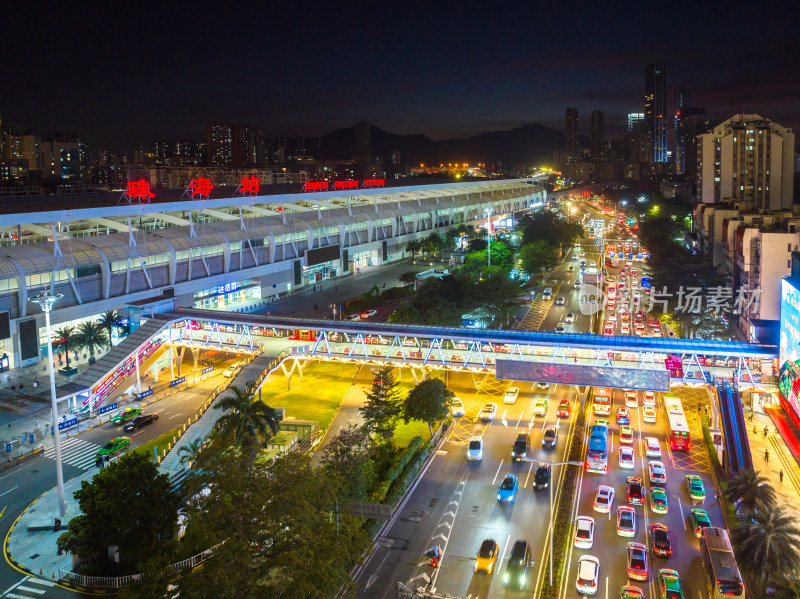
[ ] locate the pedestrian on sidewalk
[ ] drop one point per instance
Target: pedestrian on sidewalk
(755, 430)
(766, 455)
(766, 431)
(780, 474)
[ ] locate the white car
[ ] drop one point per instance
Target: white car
(604, 500)
(649, 414)
(489, 411)
(511, 395)
(584, 532)
(456, 407)
(626, 521)
(230, 371)
(652, 447)
(657, 472)
(475, 449)
(369, 313)
(542, 385)
(570, 317)
(649, 398)
(631, 399)
(626, 457)
(588, 575)
(560, 328)
(353, 317)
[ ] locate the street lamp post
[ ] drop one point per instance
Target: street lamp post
(46, 301)
(489, 235)
(552, 522)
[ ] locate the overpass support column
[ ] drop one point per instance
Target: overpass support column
(196, 355)
(297, 364)
(171, 357)
(154, 370)
(179, 361)
(138, 375)
(583, 393)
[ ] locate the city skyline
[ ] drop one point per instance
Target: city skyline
(460, 76)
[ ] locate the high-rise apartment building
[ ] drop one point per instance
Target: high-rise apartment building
(219, 144)
(635, 122)
(363, 144)
(748, 159)
(62, 159)
(20, 147)
(655, 108)
(683, 102)
(248, 146)
(598, 134)
(571, 132)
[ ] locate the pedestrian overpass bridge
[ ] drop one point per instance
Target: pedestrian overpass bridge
(574, 359)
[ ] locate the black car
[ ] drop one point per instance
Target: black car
(636, 491)
(521, 446)
(541, 479)
(659, 539)
(516, 573)
(550, 437)
(140, 421)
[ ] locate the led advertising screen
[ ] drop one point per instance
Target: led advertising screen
(790, 322)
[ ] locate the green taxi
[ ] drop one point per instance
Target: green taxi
(113, 447)
(658, 500)
(700, 520)
(669, 584)
(630, 591)
(694, 484)
(125, 414)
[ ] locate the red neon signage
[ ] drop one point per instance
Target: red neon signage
(250, 184)
(349, 184)
(201, 187)
(374, 182)
(139, 189)
(315, 186)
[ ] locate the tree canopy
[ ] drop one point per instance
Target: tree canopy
(537, 255)
(383, 405)
(128, 504)
(555, 229)
(427, 402)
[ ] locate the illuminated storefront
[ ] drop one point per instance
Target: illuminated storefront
(228, 295)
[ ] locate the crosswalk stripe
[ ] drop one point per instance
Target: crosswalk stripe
(22, 588)
(77, 453)
(15, 596)
(42, 581)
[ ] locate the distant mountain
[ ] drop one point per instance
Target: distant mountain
(528, 145)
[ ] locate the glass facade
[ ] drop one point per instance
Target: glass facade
(236, 294)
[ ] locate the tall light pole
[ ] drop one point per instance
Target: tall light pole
(489, 235)
(552, 521)
(46, 301)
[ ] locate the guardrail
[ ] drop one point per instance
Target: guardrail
(107, 582)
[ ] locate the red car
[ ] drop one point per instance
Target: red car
(563, 409)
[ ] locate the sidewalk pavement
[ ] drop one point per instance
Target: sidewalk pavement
(39, 422)
(780, 460)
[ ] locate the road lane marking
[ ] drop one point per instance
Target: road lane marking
(520, 419)
(494, 480)
(7, 492)
(525, 486)
(683, 516)
(503, 555)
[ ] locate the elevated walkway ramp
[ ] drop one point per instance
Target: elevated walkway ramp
(118, 354)
(737, 446)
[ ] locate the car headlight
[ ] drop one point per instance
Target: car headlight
(505, 577)
(499, 497)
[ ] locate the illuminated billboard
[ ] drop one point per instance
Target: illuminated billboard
(790, 322)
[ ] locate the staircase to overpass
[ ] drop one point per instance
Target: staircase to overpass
(734, 425)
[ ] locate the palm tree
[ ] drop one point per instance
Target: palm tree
(787, 588)
(109, 321)
(190, 453)
(751, 490)
(413, 246)
(769, 545)
(66, 339)
(248, 420)
(91, 336)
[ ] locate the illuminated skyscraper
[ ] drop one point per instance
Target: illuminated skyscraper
(635, 122)
(219, 144)
(571, 131)
(598, 134)
(655, 107)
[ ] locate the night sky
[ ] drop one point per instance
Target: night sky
(123, 74)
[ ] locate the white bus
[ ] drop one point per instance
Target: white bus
(722, 574)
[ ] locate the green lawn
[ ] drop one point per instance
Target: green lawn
(160, 442)
(405, 432)
(317, 397)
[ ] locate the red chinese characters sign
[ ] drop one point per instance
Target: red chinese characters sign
(140, 190)
(201, 187)
(250, 185)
